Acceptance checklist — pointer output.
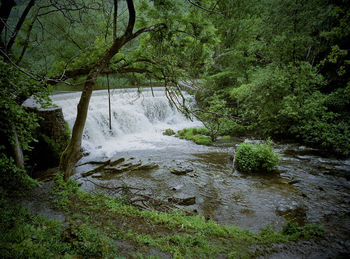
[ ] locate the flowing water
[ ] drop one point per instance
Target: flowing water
(309, 186)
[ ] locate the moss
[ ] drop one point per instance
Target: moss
(169, 132)
(196, 135)
(68, 130)
(202, 140)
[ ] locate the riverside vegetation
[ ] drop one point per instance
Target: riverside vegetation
(97, 225)
(255, 158)
(277, 68)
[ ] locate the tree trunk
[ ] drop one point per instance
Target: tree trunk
(72, 153)
(17, 151)
(19, 24)
(5, 10)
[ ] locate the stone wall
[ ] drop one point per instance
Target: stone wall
(52, 136)
(53, 125)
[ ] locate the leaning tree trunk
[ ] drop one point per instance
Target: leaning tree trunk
(72, 153)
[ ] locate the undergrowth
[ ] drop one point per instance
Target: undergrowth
(94, 222)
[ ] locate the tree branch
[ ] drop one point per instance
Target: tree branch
(203, 8)
(5, 10)
(132, 18)
(19, 24)
(151, 28)
(115, 16)
(26, 43)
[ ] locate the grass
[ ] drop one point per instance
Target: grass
(97, 221)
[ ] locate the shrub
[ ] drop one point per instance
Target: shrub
(255, 158)
(13, 178)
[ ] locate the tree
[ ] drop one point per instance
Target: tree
(73, 151)
(157, 57)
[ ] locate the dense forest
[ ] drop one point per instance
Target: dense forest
(268, 69)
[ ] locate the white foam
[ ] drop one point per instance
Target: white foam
(138, 120)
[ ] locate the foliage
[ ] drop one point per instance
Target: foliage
(63, 190)
(306, 232)
(281, 72)
(215, 117)
(30, 236)
(13, 178)
(255, 157)
(169, 132)
(196, 135)
(14, 89)
(197, 237)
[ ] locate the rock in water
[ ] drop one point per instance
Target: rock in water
(184, 202)
(180, 170)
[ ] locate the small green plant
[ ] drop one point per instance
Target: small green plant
(169, 132)
(13, 178)
(68, 130)
(197, 135)
(256, 158)
(306, 232)
(63, 190)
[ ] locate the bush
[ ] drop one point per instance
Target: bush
(13, 178)
(255, 158)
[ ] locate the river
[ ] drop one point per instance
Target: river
(309, 185)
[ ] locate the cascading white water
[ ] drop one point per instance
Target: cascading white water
(138, 120)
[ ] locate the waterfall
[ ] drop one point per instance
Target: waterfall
(138, 120)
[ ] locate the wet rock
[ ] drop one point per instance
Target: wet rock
(294, 182)
(294, 212)
(147, 166)
(117, 161)
(180, 170)
(184, 202)
(118, 166)
(303, 195)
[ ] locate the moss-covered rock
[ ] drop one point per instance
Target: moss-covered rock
(196, 135)
(169, 132)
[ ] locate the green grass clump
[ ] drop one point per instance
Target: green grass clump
(202, 140)
(169, 132)
(303, 232)
(197, 135)
(256, 158)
